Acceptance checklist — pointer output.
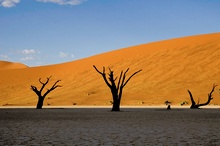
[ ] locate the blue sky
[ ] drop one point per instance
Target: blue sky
(42, 32)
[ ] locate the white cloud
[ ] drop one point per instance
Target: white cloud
(27, 58)
(4, 56)
(63, 2)
(8, 3)
(27, 52)
(63, 55)
(12, 3)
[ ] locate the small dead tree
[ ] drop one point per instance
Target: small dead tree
(196, 106)
(116, 88)
(39, 93)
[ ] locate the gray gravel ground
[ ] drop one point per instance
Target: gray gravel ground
(100, 126)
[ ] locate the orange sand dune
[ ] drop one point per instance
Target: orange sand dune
(4, 65)
(170, 68)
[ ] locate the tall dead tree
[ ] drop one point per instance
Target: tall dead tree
(39, 93)
(196, 106)
(116, 88)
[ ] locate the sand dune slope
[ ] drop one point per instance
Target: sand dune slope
(170, 68)
(4, 65)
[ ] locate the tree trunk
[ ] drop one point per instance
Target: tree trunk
(116, 105)
(116, 100)
(193, 106)
(40, 103)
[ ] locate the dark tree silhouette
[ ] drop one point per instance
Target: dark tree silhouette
(196, 106)
(168, 103)
(169, 107)
(39, 93)
(116, 89)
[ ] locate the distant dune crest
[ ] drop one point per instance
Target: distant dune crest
(4, 65)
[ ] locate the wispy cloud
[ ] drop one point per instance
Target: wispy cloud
(3, 56)
(31, 57)
(12, 3)
(8, 3)
(65, 55)
(27, 58)
(27, 52)
(63, 2)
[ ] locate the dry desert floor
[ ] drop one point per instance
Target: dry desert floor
(100, 126)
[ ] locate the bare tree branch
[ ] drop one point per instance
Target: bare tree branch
(131, 77)
(103, 72)
(103, 75)
(119, 81)
(209, 96)
(194, 105)
(123, 78)
(52, 88)
(44, 84)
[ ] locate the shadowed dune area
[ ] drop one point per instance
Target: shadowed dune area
(169, 69)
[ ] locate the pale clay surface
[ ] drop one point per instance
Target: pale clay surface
(99, 126)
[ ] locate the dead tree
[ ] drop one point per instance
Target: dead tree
(196, 106)
(116, 89)
(39, 93)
